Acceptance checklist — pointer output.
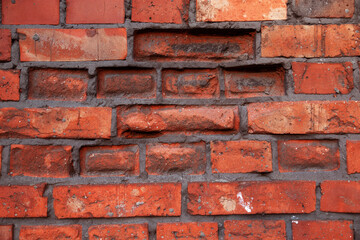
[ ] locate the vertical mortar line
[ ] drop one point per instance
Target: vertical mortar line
(221, 76)
(152, 230)
(288, 229)
(113, 122)
(289, 79)
(62, 14)
(91, 92)
(343, 156)
(257, 45)
(356, 79)
(159, 85)
(208, 169)
(142, 159)
(243, 121)
(24, 84)
(15, 47)
(5, 161)
(128, 10)
(221, 232)
(192, 12)
(130, 32)
(75, 154)
(275, 154)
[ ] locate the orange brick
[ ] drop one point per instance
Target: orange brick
(189, 230)
(313, 230)
(123, 231)
(50, 232)
(9, 85)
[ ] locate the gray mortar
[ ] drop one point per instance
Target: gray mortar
(91, 67)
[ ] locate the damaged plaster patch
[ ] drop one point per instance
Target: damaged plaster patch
(228, 204)
(75, 204)
(245, 205)
(207, 9)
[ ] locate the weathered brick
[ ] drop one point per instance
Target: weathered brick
(83, 122)
(30, 12)
(50, 232)
(323, 78)
(6, 232)
(109, 161)
(153, 121)
(185, 158)
(136, 83)
(257, 81)
(193, 46)
(160, 11)
(40, 161)
(324, 9)
(5, 45)
(113, 201)
(308, 155)
(304, 117)
(95, 11)
(353, 156)
(190, 83)
(188, 230)
(254, 229)
(208, 198)
(72, 44)
(58, 84)
(234, 10)
(9, 85)
(241, 156)
(119, 232)
(340, 196)
(23, 201)
(313, 230)
(310, 40)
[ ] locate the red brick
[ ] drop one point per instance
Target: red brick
(254, 230)
(313, 230)
(5, 45)
(258, 81)
(6, 232)
(23, 201)
(113, 201)
(310, 41)
(340, 196)
(207, 198)
(72, 44)
(191, 46)
(82, 122)
(234, 10)
(308, 155)
(160, 11)
(304, 117)
(241, 156)
(119, 232)
(185, 158)
(322, 78)
(9, 85)
(353, 156)
(153, 121)
(30, 12)
(51, 232)
(109, 161)
(58, 84)
(95, 11)
(324, 9)
(190, 83)
(188, 230)
(40, 161)
(136, 83)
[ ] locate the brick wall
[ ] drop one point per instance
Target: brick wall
(181, 119)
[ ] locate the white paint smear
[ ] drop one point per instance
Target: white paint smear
(245, 205)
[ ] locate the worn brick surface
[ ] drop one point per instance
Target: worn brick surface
(207, 198)
(6, 232)
(254, 229)
(188, 230)
(51, 232)
(325, 9)
(322, 230)
(115, 201)
(353, 156)
(121, 231)
(9, 85)
(72, 44)
(5, 45)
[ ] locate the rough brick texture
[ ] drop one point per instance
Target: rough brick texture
(40, 161)
(190, 230)
(9, 85)
(72, 44)
(322, 230)
(30, 12)
(95, 11)
(241, 156)
(123, 231)
(58, 85)
(109, 161)
(180, 119)
(323, 78)
(254, 229)
(50, 232)
(114, 201)
(308, 155)
(251, 198)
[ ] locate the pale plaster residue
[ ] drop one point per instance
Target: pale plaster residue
(277, 13)
(208, 9)
(245, 205)
(75, 204)
(228, 204)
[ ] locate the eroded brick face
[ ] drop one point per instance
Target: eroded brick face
(179, 119)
